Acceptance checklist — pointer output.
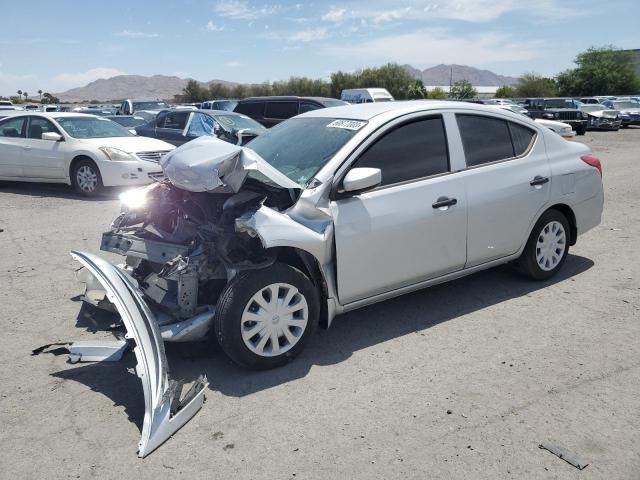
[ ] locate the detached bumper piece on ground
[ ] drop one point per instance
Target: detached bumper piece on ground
(165, 412)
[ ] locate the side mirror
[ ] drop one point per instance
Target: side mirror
(361, 179)
(52, 136)
(217, 130)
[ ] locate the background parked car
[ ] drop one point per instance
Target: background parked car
(85, 151)
(227, 104)
(180, 126)
(270, 111)
(131, 106)
(629, 110)
(560, 109)
(601, 117)
(366, 95)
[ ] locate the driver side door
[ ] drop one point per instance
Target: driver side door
(409, 229)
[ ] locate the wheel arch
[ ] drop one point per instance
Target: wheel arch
(308, 264)
(78, 158)
(567, 211)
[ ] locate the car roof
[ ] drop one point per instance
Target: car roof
(277, 98)
(53, 114)
(367, 111)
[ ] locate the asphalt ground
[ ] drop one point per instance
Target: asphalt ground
(459, 381)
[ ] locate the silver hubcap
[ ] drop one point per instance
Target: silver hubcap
(274, 320)
(87, 179)
(552, 242)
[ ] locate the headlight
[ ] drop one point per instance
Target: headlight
(136, 198)
(117, 155)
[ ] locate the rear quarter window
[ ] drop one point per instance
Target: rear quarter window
(281, 110)
(251, 109)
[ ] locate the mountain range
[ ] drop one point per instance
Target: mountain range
(165, 87)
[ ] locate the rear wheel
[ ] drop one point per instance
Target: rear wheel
(86, 178)
(547, 247)
(264, 318)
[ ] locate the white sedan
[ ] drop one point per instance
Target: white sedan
(85, 151)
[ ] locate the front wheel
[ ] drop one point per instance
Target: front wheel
(547, 247)
(264, 318)
(86, 178)
(581, 130)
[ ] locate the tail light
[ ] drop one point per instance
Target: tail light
(593, 161)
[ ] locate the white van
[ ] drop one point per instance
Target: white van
(366, 95)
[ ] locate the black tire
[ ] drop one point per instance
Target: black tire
(237, 295)
(625, 126)
(82, 166)
(581, 130)
(528, 263)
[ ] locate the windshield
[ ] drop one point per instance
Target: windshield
(238, 122)
(627, 105)
(560, 103)
(129, 121)
(92, 127)
(300, 147)
(227, 105)
(149, 105)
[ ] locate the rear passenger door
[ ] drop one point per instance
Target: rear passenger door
(507, 182)
(172, 127)
(12, 138)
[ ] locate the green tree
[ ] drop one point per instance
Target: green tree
(193, 92)
(462, 89)
(26, 95)
(417, 91)
(390, 76)
(534, 85)
(505, 92)
(600, 71)
(438, 94)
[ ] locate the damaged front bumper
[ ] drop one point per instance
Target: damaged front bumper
(165, 411)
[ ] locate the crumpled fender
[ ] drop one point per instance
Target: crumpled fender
(208, 164)
(164, 413)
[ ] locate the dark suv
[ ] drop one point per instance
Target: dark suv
(561, 109)
(270, 111)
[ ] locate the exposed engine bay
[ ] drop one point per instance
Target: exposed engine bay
(182, 247)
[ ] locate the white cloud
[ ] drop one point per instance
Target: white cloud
(436, 46)
(334, 15)
(135, 34)
(212, 27)
(241, 10)
(308, 35)
(71, 80)
(234, 64)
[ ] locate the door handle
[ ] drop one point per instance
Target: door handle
(444, 202)
(538, 180)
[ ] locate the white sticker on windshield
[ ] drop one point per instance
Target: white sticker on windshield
(347, 124)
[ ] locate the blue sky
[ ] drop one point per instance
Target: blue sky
(63, 44)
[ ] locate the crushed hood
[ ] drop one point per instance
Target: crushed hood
(208, 164)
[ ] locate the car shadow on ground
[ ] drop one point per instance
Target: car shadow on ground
(349, 333)
(56, 190)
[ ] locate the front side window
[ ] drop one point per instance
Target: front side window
(38, 126)
(12, 127)
(201, 124)
(176, 120)
(485, 139)
(281, 110)
(409, 152)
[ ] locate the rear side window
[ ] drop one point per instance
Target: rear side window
(485, 139)
(13, 127)
(251, 109)
(411, 151)
(309, 107)
(281, 110)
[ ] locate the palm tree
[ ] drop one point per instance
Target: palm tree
(26, 95)
(40, 93)
(19, 92)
